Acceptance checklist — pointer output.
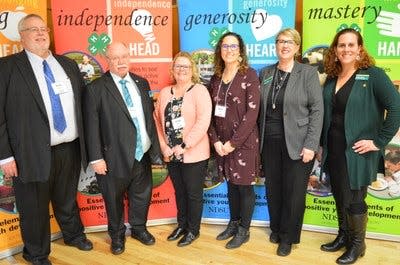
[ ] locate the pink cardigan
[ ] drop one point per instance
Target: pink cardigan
(196, 111)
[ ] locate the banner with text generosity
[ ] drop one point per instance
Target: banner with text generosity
(82, 30)
(11, 12)
(201, 24)
(379, 22)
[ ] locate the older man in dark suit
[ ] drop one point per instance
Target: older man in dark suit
(41, 139)
(122, 144)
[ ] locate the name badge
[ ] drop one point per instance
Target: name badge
(178, 123)
(362, 77)
(60, 88)
(132, 112)
(269, 79)
(220, 111)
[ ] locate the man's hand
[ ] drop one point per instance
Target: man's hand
(100, 167)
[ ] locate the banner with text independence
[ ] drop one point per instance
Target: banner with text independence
(11, 12)
(82, 30)
(379, 22)
(201, 24)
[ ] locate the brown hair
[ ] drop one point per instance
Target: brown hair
(333, 67)
(195, 71)
(219, 63)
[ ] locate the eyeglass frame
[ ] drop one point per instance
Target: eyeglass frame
(37, 29)
(185, 67)
(232, 47)
(288, 42)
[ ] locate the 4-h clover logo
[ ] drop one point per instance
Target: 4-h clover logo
(98, 44)
(215, 35)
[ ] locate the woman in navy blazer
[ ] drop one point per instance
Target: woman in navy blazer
(290, 125)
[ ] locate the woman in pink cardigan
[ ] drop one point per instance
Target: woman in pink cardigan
(183, 114)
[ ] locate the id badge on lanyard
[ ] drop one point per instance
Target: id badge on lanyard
(220, 111)
(178, 123)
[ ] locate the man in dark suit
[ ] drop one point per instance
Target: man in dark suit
(122, 144)
(41, 139)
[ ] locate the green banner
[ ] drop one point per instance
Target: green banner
(379, 22)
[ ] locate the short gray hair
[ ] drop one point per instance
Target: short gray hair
(21, 23)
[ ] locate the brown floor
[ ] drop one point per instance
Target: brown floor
(206, 250)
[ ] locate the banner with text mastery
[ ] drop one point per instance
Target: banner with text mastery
(379, 24)
(82, 30)
(201, 24)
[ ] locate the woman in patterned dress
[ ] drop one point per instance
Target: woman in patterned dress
(235, 93)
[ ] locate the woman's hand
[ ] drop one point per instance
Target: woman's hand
(364, 146)
(219, 148)
(227, 147)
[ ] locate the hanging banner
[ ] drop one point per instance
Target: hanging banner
(82, 30)
(379, 22)
(11, 12)
(200, 27)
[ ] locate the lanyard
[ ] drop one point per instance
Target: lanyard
(226, 93)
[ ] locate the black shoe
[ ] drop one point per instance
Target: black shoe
(187, 239)
(144, 237)
(339, 242)
(284, 249)
(274, 238)
(177, 233)
(44, 261)
(117, 247)
(241, 237)
(81, 244)
(230, 230)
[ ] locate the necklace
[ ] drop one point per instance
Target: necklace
(279, 80)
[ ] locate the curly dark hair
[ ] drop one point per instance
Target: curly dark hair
(219, 63)
(333, 67)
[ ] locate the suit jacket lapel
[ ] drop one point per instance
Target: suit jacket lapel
(267, 80)
(30, 79)
(291, 85)
(113, 89)
(142, 92)
(75, 83)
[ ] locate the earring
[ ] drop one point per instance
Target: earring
(240, 59)
(336, 59)
(358, 57)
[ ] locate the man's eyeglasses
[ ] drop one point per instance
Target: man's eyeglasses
(232, 47)
(181, 67)
(288, 42)
(37, 29)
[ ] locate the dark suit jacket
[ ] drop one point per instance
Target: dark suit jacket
(110, 132)
(302, 108)
(24, 125)
(364, 119)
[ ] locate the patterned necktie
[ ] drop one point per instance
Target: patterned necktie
(129, 104)
(58, 114)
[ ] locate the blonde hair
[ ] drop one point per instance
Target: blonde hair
(291, 33)
(195, 71)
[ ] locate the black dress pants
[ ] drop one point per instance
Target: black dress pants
(188, 181)
(241, 200)
(60, 189)
(286, 186)
(137, 187)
